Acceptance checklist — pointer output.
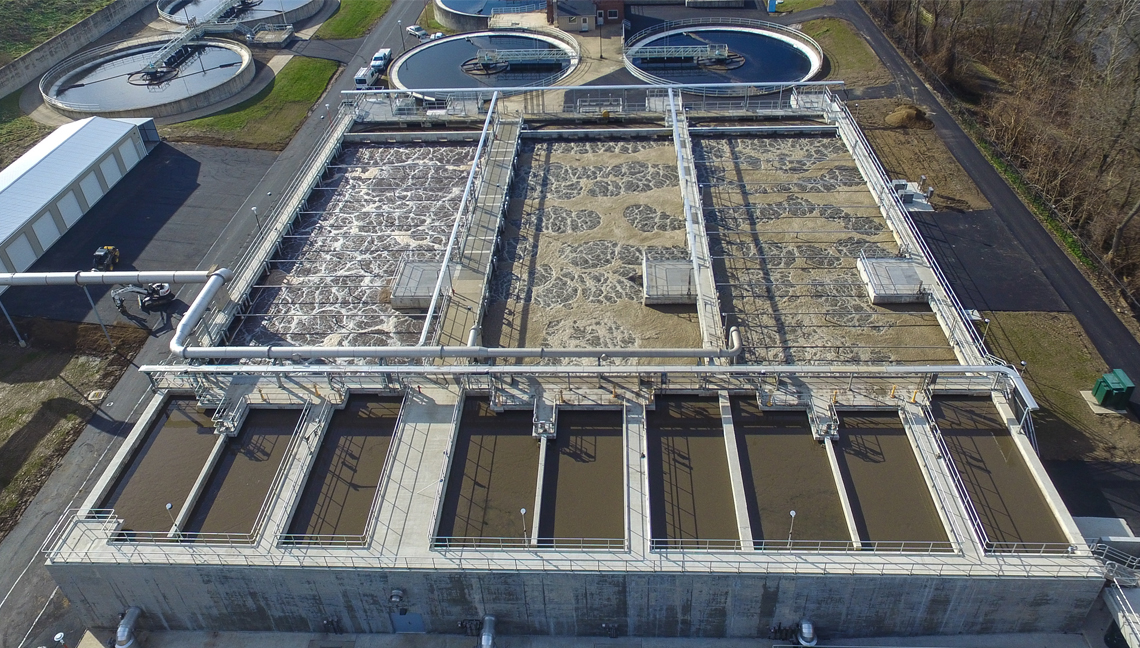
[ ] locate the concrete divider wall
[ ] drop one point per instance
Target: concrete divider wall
(237, 597)
(457, 21)
(30, 66)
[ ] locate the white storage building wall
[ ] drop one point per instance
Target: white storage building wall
(45, 192)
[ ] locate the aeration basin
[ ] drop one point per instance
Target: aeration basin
(785, 469)
(690, 494)
(115, 80)
(164, 468)
(236, 490)
(341, 488)
(493, 477)
(479, 60)
(889, 498)
(582, 489)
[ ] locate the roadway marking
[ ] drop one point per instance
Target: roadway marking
(29, 633)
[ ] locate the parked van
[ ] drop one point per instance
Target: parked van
(365, 77)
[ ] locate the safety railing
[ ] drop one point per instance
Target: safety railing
(86, 57)
(447, 543)
(525, 8)
(972, 517)
(1038, 548)
(961, 333)
(1127, 619)
(802, 546)
(441, 485)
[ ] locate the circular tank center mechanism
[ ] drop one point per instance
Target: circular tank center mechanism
(158, 76)
(723, 54)
(484, 60)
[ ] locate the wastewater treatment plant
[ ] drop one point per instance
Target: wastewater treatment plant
(664, 360)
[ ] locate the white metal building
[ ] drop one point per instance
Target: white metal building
(45, 192)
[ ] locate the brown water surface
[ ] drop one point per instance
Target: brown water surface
(1005, 495)
(690, 494)
(342, 484)
(164, 467)
(236, 490)
(784, 469)
(583, 488)
(889, 497)
(494, 473)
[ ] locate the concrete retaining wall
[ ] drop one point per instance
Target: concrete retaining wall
(30, 66)
(663, 605)
(460, 21)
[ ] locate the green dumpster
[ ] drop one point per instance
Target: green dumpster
(1127, 387)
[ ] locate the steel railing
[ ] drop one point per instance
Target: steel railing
(451, 543)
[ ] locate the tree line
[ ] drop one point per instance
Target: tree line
(1055, 84)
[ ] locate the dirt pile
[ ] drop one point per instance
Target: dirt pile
(908, 116)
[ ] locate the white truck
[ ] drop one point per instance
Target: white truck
(366, 77)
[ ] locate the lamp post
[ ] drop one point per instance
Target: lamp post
(522, 512)
(403, 41)
(255, 218)
(59, 639)
(792, 526)
(986, 329)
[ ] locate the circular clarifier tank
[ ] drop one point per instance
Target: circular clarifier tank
(486, 59)
(115, 81)
(724, 54)
(246, 11)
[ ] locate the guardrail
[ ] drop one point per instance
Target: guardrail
(527, 8)
(630, 46)
(449, 543)
(441, 486)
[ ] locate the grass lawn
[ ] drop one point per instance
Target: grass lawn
(18, 132)
(850, 57)
(267, 120)
(1063, 362)
(789, 6)
(353, 19)
(427, 21)
(43, 401)
(25, 24)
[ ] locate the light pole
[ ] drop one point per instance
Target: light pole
(59, 639)
(403, 41)
(522, 512)
(985, 330)
(255, 218)
(792, 526)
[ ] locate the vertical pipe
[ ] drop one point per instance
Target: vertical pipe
(8, 317)
(97, 318)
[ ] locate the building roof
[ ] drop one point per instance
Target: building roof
(32, 182)
(576, 8)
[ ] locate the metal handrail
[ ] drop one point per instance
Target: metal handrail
(440, 488)
(804, 546)
(527, 8)
(458, 543)
(972, 516)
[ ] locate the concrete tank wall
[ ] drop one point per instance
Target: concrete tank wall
(536, 603)
(457, 21)
(30, 66)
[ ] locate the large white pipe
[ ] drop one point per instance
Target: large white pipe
(198, 308)
(101, 278)
(487, 639)
(125, 635)
(177, 345)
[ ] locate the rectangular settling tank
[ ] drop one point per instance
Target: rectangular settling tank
(493, 476)
(1009, 503)
(889, 498)
(690, 494)
(237, 487)
(164, 467)
(785, 469)
(583, 490)
(342, 484)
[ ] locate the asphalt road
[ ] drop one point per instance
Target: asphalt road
(1108, 333)
(31, 608)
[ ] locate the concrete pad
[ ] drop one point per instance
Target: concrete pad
(1097, 408)
(1103, 527)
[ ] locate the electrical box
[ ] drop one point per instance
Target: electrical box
(1113, 389)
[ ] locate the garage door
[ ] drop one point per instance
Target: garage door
(110, 169)
(45, 230)
(129, 153)
(20, 252)
(69, 208)
(91, 189)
